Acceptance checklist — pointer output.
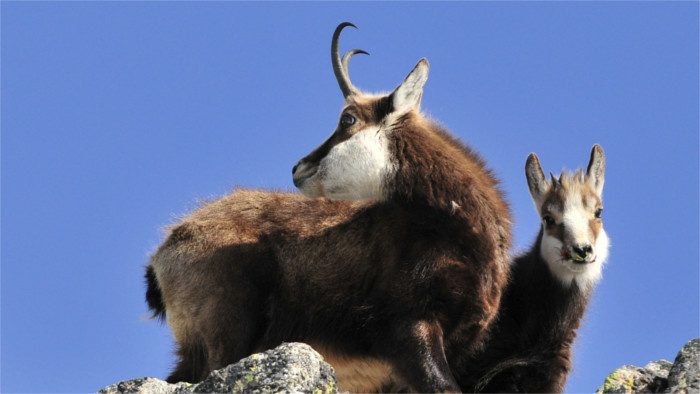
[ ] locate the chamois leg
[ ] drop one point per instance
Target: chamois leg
(421, 360)
(231, 326)
(192, 364)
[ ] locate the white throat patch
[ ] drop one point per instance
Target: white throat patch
(357, 168)
(566, 271)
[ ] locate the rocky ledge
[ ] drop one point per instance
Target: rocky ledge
(290, 367)
(681, 377)
(297, 368)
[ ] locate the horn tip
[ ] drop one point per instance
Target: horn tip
(346, 24)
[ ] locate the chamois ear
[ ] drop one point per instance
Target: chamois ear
(407, 96)
(595, 174)
(535, 179)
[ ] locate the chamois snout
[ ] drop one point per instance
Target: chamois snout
(302, 170)
(295, 178)
(301, 174)
(582, 254)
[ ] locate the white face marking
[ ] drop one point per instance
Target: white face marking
(576, 222)
(359, 167)
(559, 253)
(355, 169)
(585, 275)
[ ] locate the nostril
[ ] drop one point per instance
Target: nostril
(295, 168)
(582, 251)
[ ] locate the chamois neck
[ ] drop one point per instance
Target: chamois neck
(436, 170)
(535, 295)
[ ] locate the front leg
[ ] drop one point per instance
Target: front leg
(419, 358)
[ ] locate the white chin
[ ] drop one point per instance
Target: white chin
(566, 271)
(585, 275)
(580, 268)
(311, 188)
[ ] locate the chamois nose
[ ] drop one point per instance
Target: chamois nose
(582, 251)
(298, 174)
(301, 172)
(296, 167)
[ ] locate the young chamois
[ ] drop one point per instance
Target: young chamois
(393, 272)
(529, 349)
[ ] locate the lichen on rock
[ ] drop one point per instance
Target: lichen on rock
(681, 377)
(631, 379)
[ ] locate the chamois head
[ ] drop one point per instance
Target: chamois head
(573, 242)
(355, 161)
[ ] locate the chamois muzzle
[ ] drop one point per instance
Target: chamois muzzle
(301, 172)
(581, 254)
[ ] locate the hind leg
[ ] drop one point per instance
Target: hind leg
(191, 367)
(231, 326)
(224, 331)
(418, 355)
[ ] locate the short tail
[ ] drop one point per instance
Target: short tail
(154, 297)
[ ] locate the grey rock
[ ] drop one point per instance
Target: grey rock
(633, 379)
(139, 385)
(297, 368)
(289, 368)
(684, 377)
(681, 377)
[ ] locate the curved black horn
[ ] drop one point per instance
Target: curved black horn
(346, 60)
(340, 65)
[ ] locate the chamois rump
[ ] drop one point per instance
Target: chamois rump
(393, 270)
(529, 349)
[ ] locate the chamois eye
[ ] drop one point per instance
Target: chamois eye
(598, 213)
(347, 120)
(548, 220)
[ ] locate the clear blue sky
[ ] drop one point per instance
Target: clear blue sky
(118, 117)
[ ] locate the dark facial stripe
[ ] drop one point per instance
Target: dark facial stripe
(368, 114)
(319, 153)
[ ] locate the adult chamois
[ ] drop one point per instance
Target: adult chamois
(529, 349)
(393, 272)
